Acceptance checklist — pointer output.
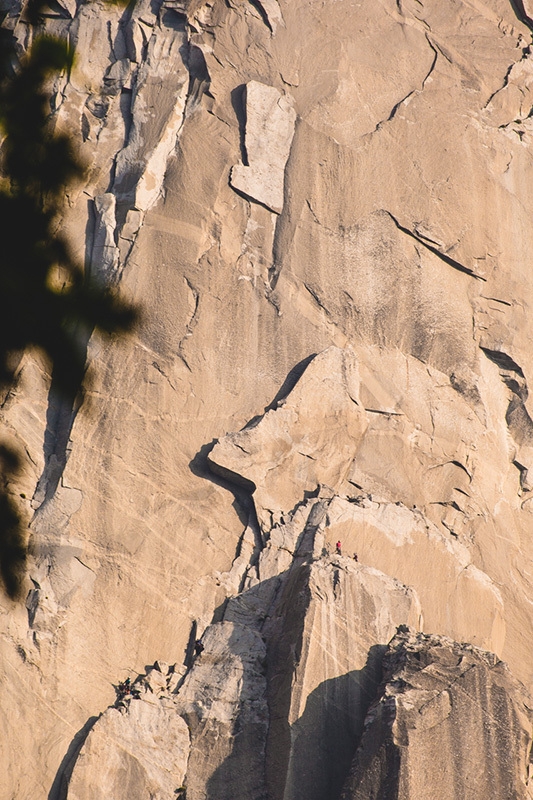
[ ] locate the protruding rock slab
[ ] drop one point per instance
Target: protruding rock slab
(397, 541)
(158, 106)
(311, 438)
(273, 13)
(451, 724)
(104, 256)
(270, 120)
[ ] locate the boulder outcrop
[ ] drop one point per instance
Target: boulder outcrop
(451, 722)
(276, 696)
(270, 119)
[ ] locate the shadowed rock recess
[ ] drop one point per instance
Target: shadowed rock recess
(324, 208)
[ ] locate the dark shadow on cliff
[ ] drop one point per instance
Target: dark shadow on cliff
(521, 13)
(311, 758)
(328, 733)
(227, 758)
(59, 788)
(314, 755)
(242, 775)
(199, 466)
(238, 101)
(240, 487)
(254, 753)
(60, 415)
(293, 376)
(47, 301)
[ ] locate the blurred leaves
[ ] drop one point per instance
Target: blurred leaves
(12, 544)
(45, 297)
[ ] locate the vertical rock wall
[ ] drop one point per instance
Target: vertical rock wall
(274, 180)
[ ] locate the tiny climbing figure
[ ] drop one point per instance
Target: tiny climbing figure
(338, 549)
(198, 647)
(355, 557)
(123, 689)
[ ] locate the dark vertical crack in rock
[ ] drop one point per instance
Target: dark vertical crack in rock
(199, 78)
(62, 411)
(262, 13)
(60, 416)
(521, 13)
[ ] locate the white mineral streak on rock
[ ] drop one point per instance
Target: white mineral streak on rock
(136, 751)
(104, 256)
(270, 120)
(158, 107)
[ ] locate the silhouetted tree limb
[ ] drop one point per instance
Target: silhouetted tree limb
(36, 309)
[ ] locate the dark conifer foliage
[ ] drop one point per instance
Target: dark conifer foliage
(46, 300)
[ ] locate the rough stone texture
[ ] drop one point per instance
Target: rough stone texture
(138, 752)
(276, 700)
(270, 120)
(105, 253)
(391, 239)
(285, 455)
(326, 641)
(451, 722)
(310, 438)
(223, 700)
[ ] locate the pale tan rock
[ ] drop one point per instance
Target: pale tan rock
(273, 11)
(326, 641)
(105, 255)
(404, 233)
(158, 107)
(466, 602)
(270, 119)
(269, 454)
(223, 700)
(289, 452)
(137, 751)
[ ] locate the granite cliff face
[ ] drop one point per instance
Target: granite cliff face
(324, 209)
(447, 724)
